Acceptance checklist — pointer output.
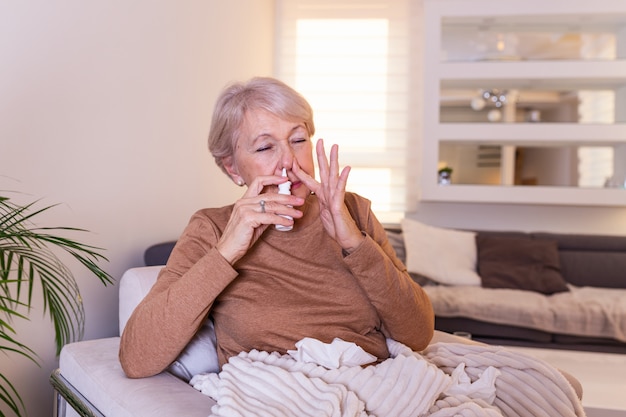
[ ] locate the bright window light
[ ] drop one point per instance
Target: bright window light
(341, 67)
(350, 61)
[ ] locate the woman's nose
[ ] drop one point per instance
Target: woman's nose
(286, 158)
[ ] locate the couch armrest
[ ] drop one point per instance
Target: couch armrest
(93, 369)
(134, 285)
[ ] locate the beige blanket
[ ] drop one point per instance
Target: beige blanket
(408, 384)
(582, 311)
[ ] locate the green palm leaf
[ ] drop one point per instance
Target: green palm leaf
(29, 255)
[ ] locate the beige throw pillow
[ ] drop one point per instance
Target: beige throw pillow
(446, 256)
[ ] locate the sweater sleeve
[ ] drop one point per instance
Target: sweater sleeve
(178, 303)
(403, 306)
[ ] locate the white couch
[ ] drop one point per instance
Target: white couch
(90, 380)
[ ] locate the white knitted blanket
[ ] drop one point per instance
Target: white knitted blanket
(446, 379)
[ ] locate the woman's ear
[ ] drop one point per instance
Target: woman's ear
(231, 169)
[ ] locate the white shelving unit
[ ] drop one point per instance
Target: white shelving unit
(521, 73)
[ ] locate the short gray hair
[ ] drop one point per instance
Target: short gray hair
(237, 99)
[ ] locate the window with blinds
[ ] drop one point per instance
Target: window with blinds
(349, 58)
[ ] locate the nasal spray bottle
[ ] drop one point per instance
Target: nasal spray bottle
(284, 188)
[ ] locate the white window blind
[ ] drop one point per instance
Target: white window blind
(595, 163)
(350, 59)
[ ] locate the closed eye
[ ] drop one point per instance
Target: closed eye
(264, 148)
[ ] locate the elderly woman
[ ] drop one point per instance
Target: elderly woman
(334, 275)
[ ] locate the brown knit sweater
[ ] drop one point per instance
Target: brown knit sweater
(290, 285)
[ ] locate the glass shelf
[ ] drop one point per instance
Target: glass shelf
(583, 165)
(531, 37)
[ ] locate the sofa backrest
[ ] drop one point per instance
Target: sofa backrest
(159, 253)
(591, 260)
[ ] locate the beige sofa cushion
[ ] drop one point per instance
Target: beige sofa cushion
(582, 311)
(92, 367)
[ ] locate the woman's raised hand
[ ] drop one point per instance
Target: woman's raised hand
(253, 213)
(330, 193)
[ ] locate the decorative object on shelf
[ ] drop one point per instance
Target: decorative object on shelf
(496, 98)
(615, 182)
(28, 254)
(533, 116)
(494, 115)
(445, 175)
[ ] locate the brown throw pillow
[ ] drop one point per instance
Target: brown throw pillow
(519, 263)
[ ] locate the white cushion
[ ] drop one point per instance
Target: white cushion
(446, 256)
(134, 286)
(200, 355)
(93, 368)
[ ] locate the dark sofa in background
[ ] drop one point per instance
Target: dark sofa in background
(592, 264)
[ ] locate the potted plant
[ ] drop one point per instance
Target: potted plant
(445, 175)
(28, 255)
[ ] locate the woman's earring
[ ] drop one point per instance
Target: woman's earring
(240, 182)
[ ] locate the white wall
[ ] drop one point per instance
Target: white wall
(105, 107)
